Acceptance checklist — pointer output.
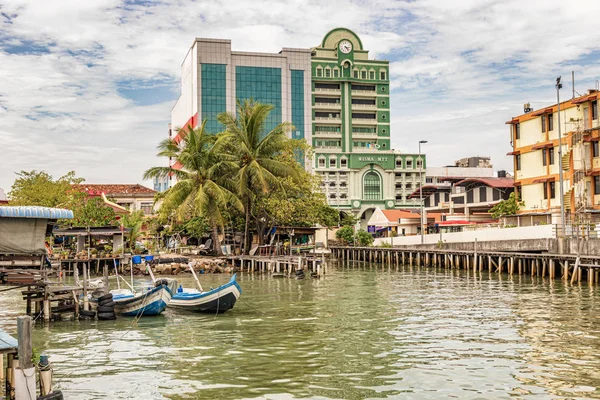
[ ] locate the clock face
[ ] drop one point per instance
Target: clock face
(345, 46)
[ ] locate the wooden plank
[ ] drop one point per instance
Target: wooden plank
(24, 337)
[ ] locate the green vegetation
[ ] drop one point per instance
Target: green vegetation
(37, 188)
(507, 207)
(345, 234)
(243, 177)
(364, 238)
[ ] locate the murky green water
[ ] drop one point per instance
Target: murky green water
(358, 333)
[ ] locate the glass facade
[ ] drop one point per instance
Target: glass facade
(214, 95)
(298, 104)
(263, 84)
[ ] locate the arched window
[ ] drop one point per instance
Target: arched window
(371, 186)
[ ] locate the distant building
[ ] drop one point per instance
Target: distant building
(535, 140)
(133, 197)
(3, 199)
(389, 223)
(473, 162)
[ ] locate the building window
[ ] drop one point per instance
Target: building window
(336, 73)
(428, 180)
(544, 157)
(332, 184)
(398, 163)
(550, 122)
(543, 123)
(363, 74)
(146, 208)
(545, 186)
(551, 154)
(597, 184)
(343, 196)
(552, 190)
(321, 162)
(371, 186)
(517, 131)
(595, 109)
(319, 72)
(372, 75)
(332, 163)
(355, 73)
(409, 164)
(327, 73)
(343, 163)
(332, 196)
(382, 75)
(595, 149)
(419, 164)
(518, 161)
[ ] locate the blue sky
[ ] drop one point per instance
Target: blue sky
(89, 85)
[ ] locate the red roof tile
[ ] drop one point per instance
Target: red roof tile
(394, 215)
(115, 189)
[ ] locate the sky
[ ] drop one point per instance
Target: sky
(89, 85)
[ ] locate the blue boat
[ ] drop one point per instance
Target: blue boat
(217, 300)
(152, 301)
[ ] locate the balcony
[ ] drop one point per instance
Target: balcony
(364, 135)
(364, 121)
(328, 120)
(328, 106)
(327, 90)
(365, 106)
(328, 134)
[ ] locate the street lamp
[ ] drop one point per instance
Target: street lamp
(421, 187)
(560, 160)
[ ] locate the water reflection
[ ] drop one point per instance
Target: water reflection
(361, 332)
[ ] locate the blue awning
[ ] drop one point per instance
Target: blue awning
(35, 212)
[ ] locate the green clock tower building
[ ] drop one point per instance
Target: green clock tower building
(351, 130)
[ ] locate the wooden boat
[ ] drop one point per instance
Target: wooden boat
(151, 301)
(216, 300)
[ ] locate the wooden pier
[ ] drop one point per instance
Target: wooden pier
(314, 263)
(573, 267)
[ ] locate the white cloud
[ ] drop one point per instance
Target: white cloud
(459, 69)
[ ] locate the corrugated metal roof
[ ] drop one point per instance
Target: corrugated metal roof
(35, 212)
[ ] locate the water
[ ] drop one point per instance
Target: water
(358, 333)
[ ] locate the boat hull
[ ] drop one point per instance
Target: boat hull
(152, 302)
(219, 300)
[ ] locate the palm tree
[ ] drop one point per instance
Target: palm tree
(200, 189)
(254, 153)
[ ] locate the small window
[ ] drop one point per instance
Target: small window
(383, 103)
(332, 196)
(383, 116)
(355, 73)
(553, 190)
(543, 123)
(332, 184)
(597, 184)
(550, 122)
(372, 75)
(428, 180)
(398, 163)
(419, 164)
(409, 164)
(517, 131)
(383, 131)
(382, 75)
(363, 74)
(595, 149)
(544, 157)
(551, 154)
(545, 186)
(336, 73)
(595, 109)
(319, 72)
(343, 163)
(518, 161)
(321, 163)
(327, 73)
(332, 163)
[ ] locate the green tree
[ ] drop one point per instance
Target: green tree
(196, 227)
(345, 234)
(38, 188)
(202, 189)
(89, 211)
(364, 238)
(507, 207)
(134, 221)
(254, 153)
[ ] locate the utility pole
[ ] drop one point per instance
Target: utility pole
(560, 162)
(421, 188)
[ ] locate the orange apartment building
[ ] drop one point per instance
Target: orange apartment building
(535, 140)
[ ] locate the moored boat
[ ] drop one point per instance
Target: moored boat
(151, 301)
(216, 300)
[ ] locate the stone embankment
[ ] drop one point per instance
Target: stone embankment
(200, 265)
